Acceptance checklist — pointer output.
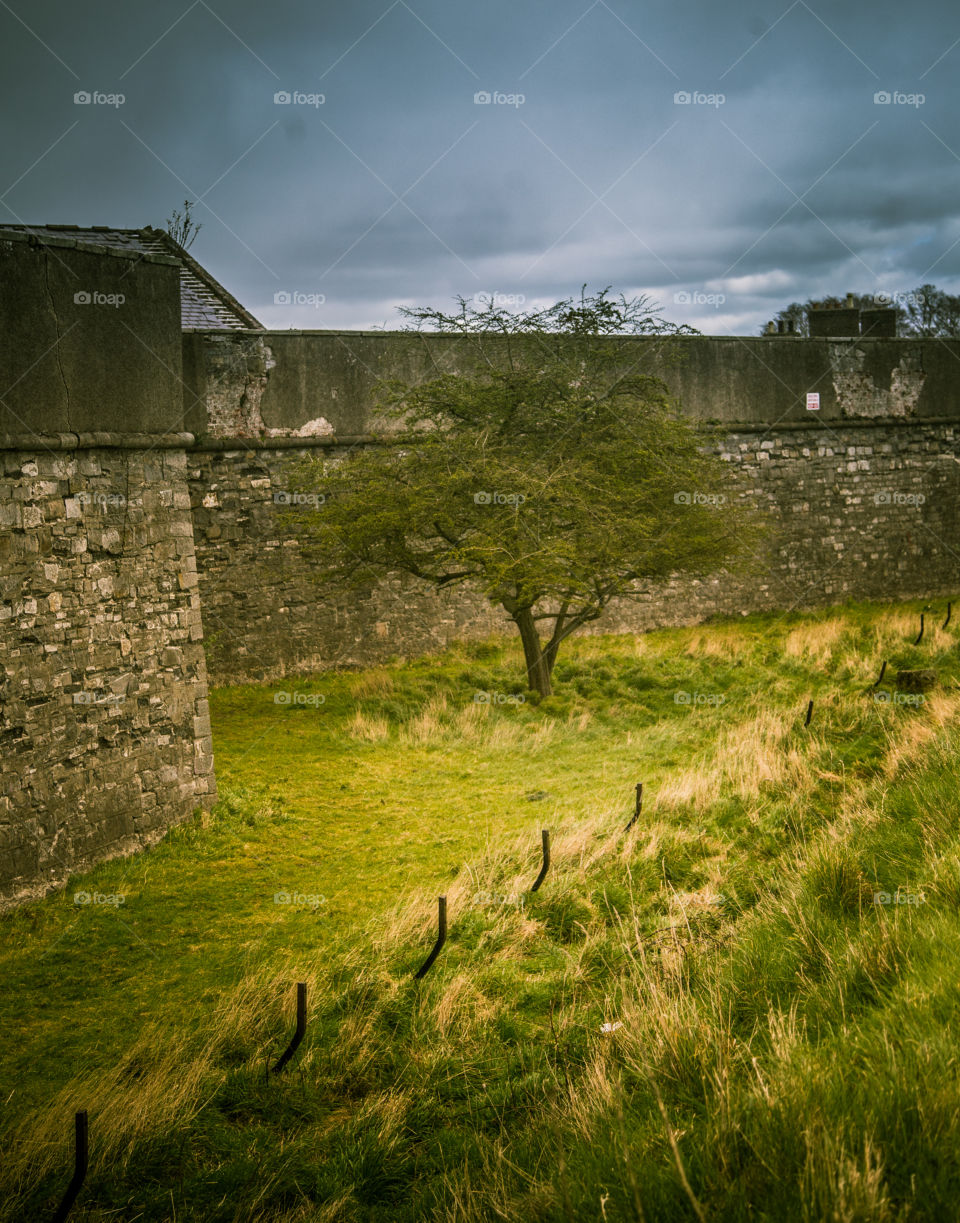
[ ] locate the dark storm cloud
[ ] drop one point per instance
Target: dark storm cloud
(400, 187)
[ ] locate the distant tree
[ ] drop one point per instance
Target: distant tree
(549, 468)
(799, 311)
(931, 313)
(796, 313)
(181, 226)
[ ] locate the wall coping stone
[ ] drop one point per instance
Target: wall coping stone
(96, 441)
(188, 441)
(386, 333)
(204, 443)
(208, 444)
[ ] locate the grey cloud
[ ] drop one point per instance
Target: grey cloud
(511, 199)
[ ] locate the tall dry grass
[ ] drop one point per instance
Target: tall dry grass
(747, 757)
(160, 1085)
(674, 1041)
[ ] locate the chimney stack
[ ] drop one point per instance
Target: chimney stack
(879, 323)
(835, 324)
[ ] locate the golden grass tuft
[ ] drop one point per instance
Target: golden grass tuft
(462, 1005)
(898, 626)
(714, 642)
(475, 722)
(842, 1187)
(368, 727)
(595, 645)
(747, 757)
(918, 730)
(377, 682)
(429, 725)
(471, 721)
(689, 904)
(815, 642)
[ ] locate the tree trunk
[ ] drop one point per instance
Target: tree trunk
(538, 672)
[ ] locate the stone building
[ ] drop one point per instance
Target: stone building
(104, 722)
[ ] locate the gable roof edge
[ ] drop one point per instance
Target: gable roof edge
(202, 274)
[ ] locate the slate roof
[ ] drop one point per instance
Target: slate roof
(204, 303)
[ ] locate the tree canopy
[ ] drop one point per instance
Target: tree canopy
(547, 466)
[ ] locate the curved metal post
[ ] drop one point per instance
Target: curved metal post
(301, 1027)
(80, 1161)
(545, 836)
(441, 938)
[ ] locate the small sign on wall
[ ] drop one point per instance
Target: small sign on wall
(813, 401)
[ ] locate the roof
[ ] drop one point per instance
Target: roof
(204, 303)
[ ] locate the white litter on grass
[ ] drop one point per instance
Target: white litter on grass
(610, 1027)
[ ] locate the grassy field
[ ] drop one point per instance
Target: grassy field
(773, 948)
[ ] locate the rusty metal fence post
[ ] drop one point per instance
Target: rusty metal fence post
(80, 1162)
(441, 939)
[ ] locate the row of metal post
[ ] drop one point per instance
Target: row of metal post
(81, 1141)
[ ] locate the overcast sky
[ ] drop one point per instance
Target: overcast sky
(725, 159)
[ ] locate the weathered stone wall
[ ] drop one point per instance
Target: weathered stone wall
(104, 722)
(104, 725)
(304, 383)
(90, 338)
(861, 496)
(263, 615)
(863, 509)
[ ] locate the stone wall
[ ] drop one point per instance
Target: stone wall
(861, 495)
(104, 724)
(90, 338)
(258, 400)
(263, 614)
(265, 384)
(866, 509)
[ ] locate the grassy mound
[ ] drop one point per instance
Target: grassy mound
(745, 1007)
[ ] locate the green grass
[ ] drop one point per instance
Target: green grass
(787, 1047)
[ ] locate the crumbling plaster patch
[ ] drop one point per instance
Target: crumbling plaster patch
(857, 392)
(237, 370)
